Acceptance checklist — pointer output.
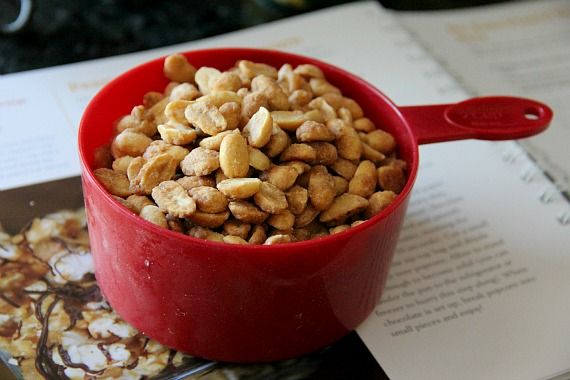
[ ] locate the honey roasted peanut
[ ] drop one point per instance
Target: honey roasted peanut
(251, 155)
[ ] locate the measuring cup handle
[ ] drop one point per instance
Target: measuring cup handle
(486, 118)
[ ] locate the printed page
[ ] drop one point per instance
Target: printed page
(41, 109)
(478, 287)
(518, 48)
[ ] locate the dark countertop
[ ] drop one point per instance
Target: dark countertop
(61, 31)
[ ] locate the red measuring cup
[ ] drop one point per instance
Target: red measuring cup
(246, 303)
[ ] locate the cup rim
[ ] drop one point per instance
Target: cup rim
(242, 53)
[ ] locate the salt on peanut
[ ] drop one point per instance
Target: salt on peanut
(311, 131)
(321, 188)
(184, 91)
(158, 147)
(206, 116)
(200, 161)
(322, 166)
(129, 143)
(348, 144)
(209, 199)
(326, 153)
(173, 199)
(190, 182)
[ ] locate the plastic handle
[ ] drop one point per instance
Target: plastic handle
(486, 118)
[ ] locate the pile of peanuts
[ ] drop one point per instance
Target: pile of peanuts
(253, 154)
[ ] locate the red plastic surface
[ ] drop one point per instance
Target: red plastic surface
(234, 302)
(488, 118)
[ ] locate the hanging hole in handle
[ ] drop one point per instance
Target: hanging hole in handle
(532, 114)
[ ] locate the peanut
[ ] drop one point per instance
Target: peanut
(301, 152)
(259, 127)
(391, 178)
(381, 141)
(364, 181)
(176, 133)
(321, 188)
(283, 177)
(343, 207)
(234, 156)
(172, 198)
(283, 221)
(209, 220)
(200, 161)
(278, 239)
(267, 156)
(297, 198)
(115, 182)
(156, 170)
(209, 199)
(236, 228)
(206, 117)
(258, 235)
(214, 142)
(234, 239)
(129, 143)
(205, 233)
(190, 182)
(177, 68)
(205, 77)
(270, 199)
(257, 159)
(247, 212)
(153, 214)
(311, 131)
(378, 202)
(239, 188)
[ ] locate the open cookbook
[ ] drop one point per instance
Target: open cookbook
(480, 282)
